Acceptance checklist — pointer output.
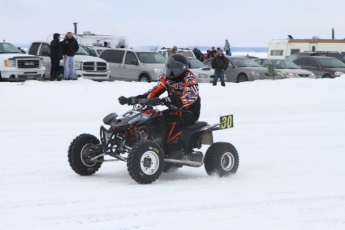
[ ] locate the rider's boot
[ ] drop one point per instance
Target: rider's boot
(174, 151)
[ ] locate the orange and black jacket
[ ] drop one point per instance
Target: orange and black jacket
(183, 92)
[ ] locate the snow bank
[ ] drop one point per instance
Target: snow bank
(289, 133)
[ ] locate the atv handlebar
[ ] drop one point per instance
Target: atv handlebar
(140, 101)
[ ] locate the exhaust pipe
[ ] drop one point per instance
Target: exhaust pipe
(333, 33)
(75, 27)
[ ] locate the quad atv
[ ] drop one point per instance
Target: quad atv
(138, 136)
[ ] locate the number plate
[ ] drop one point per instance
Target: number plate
(226, 121)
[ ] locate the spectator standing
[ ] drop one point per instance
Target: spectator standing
(55, 56)
(201, 56)
(206, 55)
(219, 64)
(172, 51)
(227, 48)
(195, 51)
(70, 47)
(212, 53)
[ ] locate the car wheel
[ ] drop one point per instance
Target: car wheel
(326, 76)
(242, 78)
(144, 78)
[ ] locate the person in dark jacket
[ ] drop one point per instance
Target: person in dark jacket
(69, 47)
(201, 56)
(183, 101)
(220, 63)
(55, 56)
(212, 53)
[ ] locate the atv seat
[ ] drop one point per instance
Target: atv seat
(194, 126)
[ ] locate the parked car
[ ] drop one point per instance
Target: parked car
(90, 50)
(322, 67)
(16, 66)
(134, 65)
(95, 50)
(203, 73)
(85, 65)
(248, 56)
(21, 50)
(285, 68)
(342, 58)
(296, 55)
(184, 51)
(243, 69)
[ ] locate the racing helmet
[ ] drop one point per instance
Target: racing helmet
(175, 66)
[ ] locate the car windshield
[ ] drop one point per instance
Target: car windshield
(342, 59)
(8, 48)
(284, 64)
(245, 62)
(151, 57)
(195, 63)
(297, 55)
(99, 51)
(331, 63)
(185, 53)
(82, 51)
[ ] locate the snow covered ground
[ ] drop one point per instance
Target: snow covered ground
(290, 135)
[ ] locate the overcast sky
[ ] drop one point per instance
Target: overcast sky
(245, 23)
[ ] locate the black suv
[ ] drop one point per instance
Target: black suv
(334, 54)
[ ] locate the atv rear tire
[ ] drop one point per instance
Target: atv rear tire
(79, 154)
(221, 159)
(145, 162)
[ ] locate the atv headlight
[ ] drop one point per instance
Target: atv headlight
(158, 71)
(9, 63)
(202, 75)
(77, 65)
(338, 73)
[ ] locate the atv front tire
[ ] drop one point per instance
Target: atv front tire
(145, 162)
(221, 159)
(80, 152)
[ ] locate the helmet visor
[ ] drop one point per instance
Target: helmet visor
(174, 68)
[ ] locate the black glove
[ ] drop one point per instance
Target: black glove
(123, 100)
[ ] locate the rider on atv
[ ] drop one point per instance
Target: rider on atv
(183, 101)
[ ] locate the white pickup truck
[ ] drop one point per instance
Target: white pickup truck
(86, 65)
(16, 66)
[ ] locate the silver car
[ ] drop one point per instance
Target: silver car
(203, 73)
(134, 65)
(286, 68)
(243, 69)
